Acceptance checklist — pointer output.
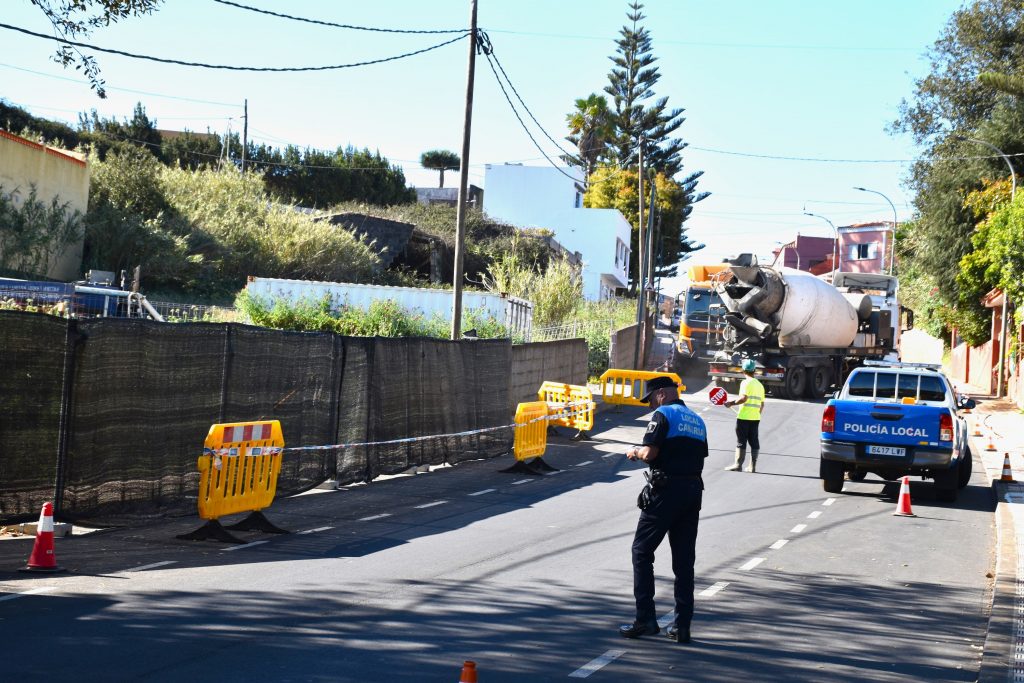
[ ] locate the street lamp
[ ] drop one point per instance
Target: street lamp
(892, 248)
(1013, 176)
(835, 245)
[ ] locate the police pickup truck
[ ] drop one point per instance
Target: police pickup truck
(896, 419)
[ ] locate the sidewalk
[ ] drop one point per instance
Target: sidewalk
(1001, 427)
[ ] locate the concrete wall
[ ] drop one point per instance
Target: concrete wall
(539, 362)
(979, 366)
(623, 347)
(54, 173)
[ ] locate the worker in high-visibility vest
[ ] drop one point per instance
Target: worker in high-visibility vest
(749, 417)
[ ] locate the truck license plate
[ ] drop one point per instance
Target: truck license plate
(887, 450)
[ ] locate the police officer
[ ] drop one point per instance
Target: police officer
(749, 417)
(674, 446)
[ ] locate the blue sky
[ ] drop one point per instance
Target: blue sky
(808, 79)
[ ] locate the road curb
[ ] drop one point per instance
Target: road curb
(997, 656)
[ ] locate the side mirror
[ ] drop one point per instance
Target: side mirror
(967, 403)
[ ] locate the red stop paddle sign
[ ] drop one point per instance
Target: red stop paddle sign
(718, 396)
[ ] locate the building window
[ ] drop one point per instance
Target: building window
(864, 251)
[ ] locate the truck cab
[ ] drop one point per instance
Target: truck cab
(895, 419)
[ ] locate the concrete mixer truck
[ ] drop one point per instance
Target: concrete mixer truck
(804, 333)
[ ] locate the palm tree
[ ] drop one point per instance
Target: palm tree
(590, 129)
(440, 160)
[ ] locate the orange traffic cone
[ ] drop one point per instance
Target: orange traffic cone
(468, 672)
(1007, 470)
(991, 441)
(43, 558)
(903, 505)
(977, 428)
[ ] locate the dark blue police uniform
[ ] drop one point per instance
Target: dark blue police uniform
(673, 508)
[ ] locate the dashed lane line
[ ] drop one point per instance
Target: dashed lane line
(244, 545)
(430, 505)
(34, 591)
(480, 493)
(585, 462)
(316, 530)
(597, 664)
(814, 515)
(798, 529)
(829, 501)
(148, 566)
(779, 543)
(712, 589)
(751, 564)
(373, 517)
(523, 481)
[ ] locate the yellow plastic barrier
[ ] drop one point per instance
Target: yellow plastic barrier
(627, 387)
(238, 473)
(531, 432)
(574, 401)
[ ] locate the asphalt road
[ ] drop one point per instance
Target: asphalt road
(528, 576)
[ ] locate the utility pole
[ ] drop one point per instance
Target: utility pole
(652, 252)
(460, 220)
(641, 266)
(245, 131)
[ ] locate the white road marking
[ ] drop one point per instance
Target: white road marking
(779, 543)
(430, 505)
(480, 493)
(247, 545)
(373, 517)
(608, 455)
(313, 531)
(712, 589)
(798, 529)
(829, 501)
(585, 462)
(667, 620)
(523, 481)
(546, 474)
(751, 564)
(596, 664)
(148, 566)
(34, 591)
(814, 515)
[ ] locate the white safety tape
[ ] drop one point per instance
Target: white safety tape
(233, 451)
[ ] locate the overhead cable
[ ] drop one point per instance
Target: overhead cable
(229, 67)
(849, 161)
(334, 25)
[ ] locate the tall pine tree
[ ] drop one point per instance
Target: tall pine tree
(631, 86)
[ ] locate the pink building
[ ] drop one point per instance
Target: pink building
(865, 247)
(804, 252)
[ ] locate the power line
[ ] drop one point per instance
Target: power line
(487, 54)
(229, 67)
(137, 92)
(332, 24)
(847, 161)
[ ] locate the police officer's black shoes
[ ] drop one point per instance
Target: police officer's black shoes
(639, 628)
(680, 636)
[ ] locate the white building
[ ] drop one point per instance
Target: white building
(548, 197)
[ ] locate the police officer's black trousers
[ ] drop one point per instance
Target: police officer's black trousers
(674, 510)
(746, 432)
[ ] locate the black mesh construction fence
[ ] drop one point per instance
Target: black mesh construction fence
(107, 417)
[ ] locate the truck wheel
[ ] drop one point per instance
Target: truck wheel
(795, 382)
(831, 474)
(964, 471)
(819, 381)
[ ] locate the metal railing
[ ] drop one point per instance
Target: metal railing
(573, 330)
